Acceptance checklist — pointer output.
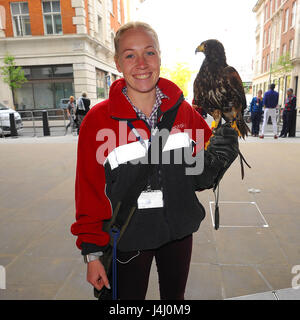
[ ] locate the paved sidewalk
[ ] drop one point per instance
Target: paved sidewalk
(252, 253)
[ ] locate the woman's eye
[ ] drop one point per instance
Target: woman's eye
(129, 56)
(150, 53)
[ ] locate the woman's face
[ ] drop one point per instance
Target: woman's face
(139, 61)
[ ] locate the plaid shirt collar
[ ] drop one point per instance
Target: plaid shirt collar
(152, 120)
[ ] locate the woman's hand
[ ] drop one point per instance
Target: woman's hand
(96, 275)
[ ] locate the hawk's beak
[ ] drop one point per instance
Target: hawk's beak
(200, 48)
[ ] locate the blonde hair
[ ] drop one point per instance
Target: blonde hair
(134, 25)
(71, 97)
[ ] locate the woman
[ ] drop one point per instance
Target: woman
(163, 228)
(256, 106)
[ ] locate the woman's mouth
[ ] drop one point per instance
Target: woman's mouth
(142, 76)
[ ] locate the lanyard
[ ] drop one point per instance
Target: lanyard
(138, 136)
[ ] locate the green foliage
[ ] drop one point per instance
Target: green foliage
(12, 75)
(283, 65)
(180, 74)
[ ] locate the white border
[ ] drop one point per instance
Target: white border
(250, 202)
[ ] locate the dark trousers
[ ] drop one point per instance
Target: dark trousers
(172, 261)
(255, 118)
(287, 121)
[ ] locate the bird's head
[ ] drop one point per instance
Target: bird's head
(213, 50)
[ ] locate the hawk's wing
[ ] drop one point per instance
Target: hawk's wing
(235, 82)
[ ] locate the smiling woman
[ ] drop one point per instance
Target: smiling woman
(138, 58)
(122, 175)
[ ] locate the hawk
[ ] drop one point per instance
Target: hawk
(218, 88)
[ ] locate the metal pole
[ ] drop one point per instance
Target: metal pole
(13, 129)
(46, 128)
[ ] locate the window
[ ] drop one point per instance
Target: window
(119, 11)
(293, 14)
(52, 17)
(20, 18)
(268, 62)
(101, 84)
(271, 5)
(264, 41)
(269, 35)
(291, 44)
(284, 49)
(286, 21)
(99, 28)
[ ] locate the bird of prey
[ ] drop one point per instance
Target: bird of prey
(218, 88)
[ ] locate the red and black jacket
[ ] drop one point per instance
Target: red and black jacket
(105, 147)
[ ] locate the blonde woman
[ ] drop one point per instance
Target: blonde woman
(162, 226)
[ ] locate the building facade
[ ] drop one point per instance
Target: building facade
(277, 35)
(65, 47)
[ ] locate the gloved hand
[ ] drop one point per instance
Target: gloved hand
(224, 144)
(221, 152)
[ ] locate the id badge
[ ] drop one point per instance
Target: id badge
(150, 199)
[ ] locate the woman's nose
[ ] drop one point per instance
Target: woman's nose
(141, 62)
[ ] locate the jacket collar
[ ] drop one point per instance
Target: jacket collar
(121, 108)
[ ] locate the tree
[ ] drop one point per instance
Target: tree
(12, 75)
(180, 74)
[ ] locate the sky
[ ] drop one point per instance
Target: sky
(182, 25)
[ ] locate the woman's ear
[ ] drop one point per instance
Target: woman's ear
(117, 64)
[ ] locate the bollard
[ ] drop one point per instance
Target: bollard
(13, 129)
(46, 128)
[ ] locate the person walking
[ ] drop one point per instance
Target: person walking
(270, 102)
(113, 136)
(256, 112)
(82, 108)
(289, 108)
(71, 113)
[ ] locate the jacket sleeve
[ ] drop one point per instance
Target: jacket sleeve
(92, 204)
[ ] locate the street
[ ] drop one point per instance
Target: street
(253, 252)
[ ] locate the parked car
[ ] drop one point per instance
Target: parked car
(63, 104)
(5, 122)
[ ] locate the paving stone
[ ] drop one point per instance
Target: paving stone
(34, 292)
(76, 287)
(257, 296)
(30, 271)
(248, 246)
(204, 282)
(288, 294)
(279, 277)
(242, 280)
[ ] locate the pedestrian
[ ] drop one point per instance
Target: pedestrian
(256, 112)
(270, 102)
(289, 108)
(71, 113)
(82, 108)
(166, 211)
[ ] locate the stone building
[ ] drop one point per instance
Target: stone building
(277, 34)
(64, 46)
